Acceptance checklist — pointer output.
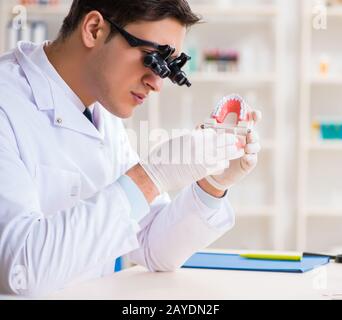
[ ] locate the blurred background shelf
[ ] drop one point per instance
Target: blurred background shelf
(248, 212)
(268, 145)
(325, 145)
(335, 12)
(327, 80)
(236, 10)
(323, 212)
(237, 78)
(46, 10)
(319, 175)
(206, 9)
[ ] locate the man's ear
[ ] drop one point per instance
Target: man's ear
(93, 29)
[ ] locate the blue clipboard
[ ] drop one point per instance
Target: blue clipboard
(235, 262)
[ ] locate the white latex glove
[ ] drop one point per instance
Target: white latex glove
(178, 162)
(241, 167)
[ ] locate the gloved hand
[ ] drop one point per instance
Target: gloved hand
(183, 160)
(241, 167)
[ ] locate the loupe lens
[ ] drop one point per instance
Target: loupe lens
(165, 72)
(157, 65)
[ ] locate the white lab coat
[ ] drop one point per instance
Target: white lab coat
(63, 215)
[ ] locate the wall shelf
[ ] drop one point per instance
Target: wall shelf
(233, 11)
(309, 165)
(236, 78)
(262, 212)
(321, 212)
(335, 12)
(207, 10)
(325, 145)
(327, 80)
(268, 145)
(46, 10)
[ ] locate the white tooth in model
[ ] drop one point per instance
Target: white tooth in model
(232, 114)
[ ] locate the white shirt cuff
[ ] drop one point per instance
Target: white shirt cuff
(137, 200)
(207, 199)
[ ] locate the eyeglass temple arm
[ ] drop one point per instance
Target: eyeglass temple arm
(136, 42)
(133, 41)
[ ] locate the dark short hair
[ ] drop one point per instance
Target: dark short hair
(124, 12)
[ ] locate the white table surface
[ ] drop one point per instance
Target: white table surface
(137, 283)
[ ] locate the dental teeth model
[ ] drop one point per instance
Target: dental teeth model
(232, 114)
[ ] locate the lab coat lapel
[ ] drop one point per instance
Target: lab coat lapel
(69, 116)
(49, 96)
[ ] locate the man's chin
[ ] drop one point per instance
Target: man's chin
(125, 116)
(123, 113)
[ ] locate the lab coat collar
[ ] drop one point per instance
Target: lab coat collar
(42, 92)
(49, 96)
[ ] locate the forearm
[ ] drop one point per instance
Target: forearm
(208, 188)
(150, 191)
(143, 181)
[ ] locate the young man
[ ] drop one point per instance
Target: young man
(73, 194)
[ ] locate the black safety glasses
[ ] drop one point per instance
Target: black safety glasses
(160, 60)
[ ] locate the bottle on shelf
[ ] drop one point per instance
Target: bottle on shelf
(35, 31)
(221, 60)
(324, 65)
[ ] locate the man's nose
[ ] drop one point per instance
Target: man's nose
(153, 82)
